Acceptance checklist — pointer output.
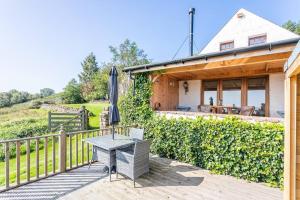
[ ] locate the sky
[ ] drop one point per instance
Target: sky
(43, 42)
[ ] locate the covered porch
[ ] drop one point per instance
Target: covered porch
(224, 83)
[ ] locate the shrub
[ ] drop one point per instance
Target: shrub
(135, 108)
(35, 104)
(252, 151)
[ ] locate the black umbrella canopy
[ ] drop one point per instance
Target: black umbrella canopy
(114, 116)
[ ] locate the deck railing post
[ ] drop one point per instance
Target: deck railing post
(49, 121)
(62, 149)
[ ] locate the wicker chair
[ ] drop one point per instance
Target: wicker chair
(136, 133)
(247, 110)
(133, 164)
(204, 108)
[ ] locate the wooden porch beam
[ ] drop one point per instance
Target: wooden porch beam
(281, 58)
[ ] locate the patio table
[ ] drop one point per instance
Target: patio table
(107, 145)
(229, 108)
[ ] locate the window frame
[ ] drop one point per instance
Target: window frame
(257, 36)
(226, 42)
(244, 90)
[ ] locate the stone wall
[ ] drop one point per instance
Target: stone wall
(178, 114)
(59, 108)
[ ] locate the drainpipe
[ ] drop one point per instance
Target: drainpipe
(131, 77)
(191, 13)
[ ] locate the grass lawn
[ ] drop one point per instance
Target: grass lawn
(95, 108)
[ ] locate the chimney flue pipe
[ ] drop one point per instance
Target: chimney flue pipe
(191, 13)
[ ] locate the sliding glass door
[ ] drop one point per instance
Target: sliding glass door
(237, 92)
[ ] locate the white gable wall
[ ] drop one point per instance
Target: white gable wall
(239, 30)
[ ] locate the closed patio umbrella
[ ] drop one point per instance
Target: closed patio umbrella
(114, 116)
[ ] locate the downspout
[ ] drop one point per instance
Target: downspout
(131, 77)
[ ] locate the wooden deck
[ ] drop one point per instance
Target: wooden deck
(167, 179)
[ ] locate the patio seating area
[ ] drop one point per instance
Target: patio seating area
(168, 179)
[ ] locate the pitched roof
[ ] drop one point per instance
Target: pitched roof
(243, 25)
(269, 46)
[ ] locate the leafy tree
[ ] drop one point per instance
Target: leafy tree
(4, 99)
(100, 82)
(45, 92)
(72, 93)
(127, 54)
(90, 69)
(18, 97)
(292, 26)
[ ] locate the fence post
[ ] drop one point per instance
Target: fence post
(82, 115)
(87, 119)
(62, 149)
(49, 121)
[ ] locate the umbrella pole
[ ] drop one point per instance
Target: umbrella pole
(113, 132)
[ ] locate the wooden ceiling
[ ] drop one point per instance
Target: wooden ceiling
(242, 67)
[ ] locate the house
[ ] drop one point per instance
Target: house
(243, 65)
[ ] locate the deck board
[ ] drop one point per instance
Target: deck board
(167, 179)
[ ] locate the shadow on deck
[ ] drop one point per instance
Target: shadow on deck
(167, 179)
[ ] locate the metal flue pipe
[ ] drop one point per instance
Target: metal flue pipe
(191, 14)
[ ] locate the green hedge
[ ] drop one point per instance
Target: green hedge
(252, 151)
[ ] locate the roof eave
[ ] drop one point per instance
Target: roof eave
(215, 54)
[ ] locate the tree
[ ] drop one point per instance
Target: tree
(18, 97)
(4, 99)
(292, 26)
(100, 82)
(45, 92)
(127, 54)
(90, 69)
(72, 93)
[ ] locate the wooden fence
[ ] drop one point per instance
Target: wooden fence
(71, 121)
(68, 151)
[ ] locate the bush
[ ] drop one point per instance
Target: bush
(21, 129)
(35, 104)
(252, 151)
(135, 108)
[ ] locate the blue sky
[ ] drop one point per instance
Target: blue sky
(42, 43)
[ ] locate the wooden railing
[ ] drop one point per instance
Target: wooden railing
(68, 151)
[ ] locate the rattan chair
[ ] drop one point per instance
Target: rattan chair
(136, 133)
(247, 110)
(204, 108)
(133, 164)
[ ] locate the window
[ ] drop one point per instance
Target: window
(254, 40)
(237, 92)
(226, 45)
(257, 95)
(231, 92)
(210, 89)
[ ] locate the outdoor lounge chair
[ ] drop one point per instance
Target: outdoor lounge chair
(133, 163)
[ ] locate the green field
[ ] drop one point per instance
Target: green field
(21, 121)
